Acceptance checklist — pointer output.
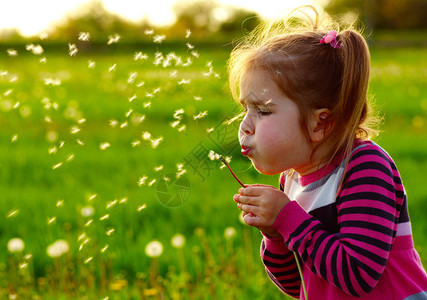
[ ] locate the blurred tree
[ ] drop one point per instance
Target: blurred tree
(383, 14)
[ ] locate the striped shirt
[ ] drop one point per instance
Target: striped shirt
(351, 231)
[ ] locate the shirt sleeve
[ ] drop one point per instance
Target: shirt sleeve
(368, 207)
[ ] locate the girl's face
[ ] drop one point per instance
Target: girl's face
(270, 133)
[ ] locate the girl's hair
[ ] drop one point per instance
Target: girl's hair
(313, 75)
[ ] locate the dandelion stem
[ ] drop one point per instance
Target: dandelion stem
(300, 274)
(222, 159)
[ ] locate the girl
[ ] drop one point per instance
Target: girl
(341, 206)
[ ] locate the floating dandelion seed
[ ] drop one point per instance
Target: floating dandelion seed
(156, 142)
(165, 178)
(104, 146)
(182, 128)
(140, 56)
(143, 206)
(154, 249)
(105, 217)
(213, 156)
(187, 33)
(132, 98)
(74, 129)
(57, 166)
(201, 115)
(178, 114)
(52, 81)
(35, 49)
(112, 68)
(113, 123)
(70, 157)
(8, 92)
(209, 130)
(195, 54)
(12, 213)
(140, 84)
(197, 98)
(174, 123)
(110, 231)
(124, 124)
(159, 38)
(14, 138)
(152, 182)
(84, 36)
(147, 104)
(15, 245)
(149, 95)
(142, 180)
(104, 248)
(112, 39)
(43, 60)
(72, 49)
(51, 220)
(184, 81)
(91, 197)
(149, 31)
(60, 203)
(136, 143)
(159, 168)
(12, 52)
(132, 77)
(91, 64)
(123, 200)
(88, 223)
(146, 135)
(88, 260)
(128, 113)
(111, 204)
(173, 74)
(80, 142)
(44, 36)
(189, 46)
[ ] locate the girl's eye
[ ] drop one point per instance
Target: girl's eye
(263, 112)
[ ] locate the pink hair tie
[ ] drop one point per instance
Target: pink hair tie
(331, 39)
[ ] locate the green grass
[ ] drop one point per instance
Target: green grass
(209, 266)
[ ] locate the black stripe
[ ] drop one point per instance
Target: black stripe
(276, 265)
(375, 152)
(300, 229)
(277, 256)
(346, 275)
(366, 166)
(372, 211)
(363, 284)
(285, 273)
(369, 240)
(372, 256)
(368, 196)
(290, 280)
(368, 225)
(404, 215)
(370, 181)
(323, 271)
(334, 269)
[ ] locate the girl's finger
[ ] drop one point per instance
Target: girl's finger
(252, 220)
(246, 200)
(248, 208)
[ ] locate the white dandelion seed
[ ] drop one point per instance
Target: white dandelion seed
(112, 39)
(147, 104)
(84, 36)
(123, 200)
(229, 233)
(12, 52)
(52, 81)
(142, 180)
(188, 62)
(137, 119)
(112, 68)
(149, 31)
(195, 54)
(104, 146)
(110, 231)
(43, 60)
(80, 142)
(135, 143)
(189, 46)
(175, 123)
(74, 129)
(173, 74)
(104, 217)
(158, 168)
(165, 178)
(197, 98)
(154, 249)
(149, 95)
(178, 241)
(105, 248)
(209, 130)
(57, 166)
(132, 98)
(182, 128)
(87, 211)
(187, 33)
(213, 156)
(35, 49)
(44, 36)
(72, 49)
(8, 92)
(51, 220)
(87, 224)
(159, 38)
(128, 113)
(124, 124)
(14, 138)
(140, 208)
(88, 260)
(91, 64)
(178, 114)
(156, 142)
(81, 121)
(141, 83)
(15, 245)
(140, 56)
(200, 115)
(70, 157)
(13, 213)
(146, 135)
(113, 123)
(132, 77)
(111, 204)
(47, 119)
(152, 182)
(60, 203)
(184, 81)
(91, 197)
(13, 78)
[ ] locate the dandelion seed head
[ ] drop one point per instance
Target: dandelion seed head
(34, 49)
(178, 241)
(15, 245)
(154, 249)
(229, 233)
(58, 248)
(146, 135)
(213, 156)
(87, 211)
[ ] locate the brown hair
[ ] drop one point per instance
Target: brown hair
(313, 75)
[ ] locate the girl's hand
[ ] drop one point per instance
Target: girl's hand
(261, 204)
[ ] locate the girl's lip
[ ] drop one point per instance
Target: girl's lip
(246, 150)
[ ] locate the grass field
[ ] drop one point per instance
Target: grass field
(83, 138)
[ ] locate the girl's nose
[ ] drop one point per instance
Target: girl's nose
(247, 126)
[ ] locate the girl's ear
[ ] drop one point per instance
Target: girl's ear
(320, 125)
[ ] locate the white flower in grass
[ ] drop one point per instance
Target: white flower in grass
(58, 248)
(229, 233)
(154, 249)
(178, 241)
(15, 245)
